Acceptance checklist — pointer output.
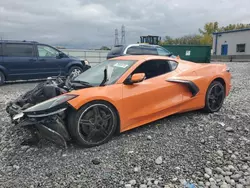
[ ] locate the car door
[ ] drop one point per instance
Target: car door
(18, 59)
(152, 98)
(49, 62)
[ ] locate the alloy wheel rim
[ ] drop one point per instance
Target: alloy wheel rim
(96, 123)
(76, 72)
(215, 97)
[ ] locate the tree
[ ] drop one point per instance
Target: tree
(206, 34)
(104, 48)
(211, 27)
(187, 39)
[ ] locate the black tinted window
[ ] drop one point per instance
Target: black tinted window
(134, 50)
(117, 50)
(149, 51)
(153, 68)
(18, 50)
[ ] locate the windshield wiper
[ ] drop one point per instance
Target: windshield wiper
(82, 82)
(105, 78)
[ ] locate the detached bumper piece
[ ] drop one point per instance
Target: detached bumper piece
(51, 128)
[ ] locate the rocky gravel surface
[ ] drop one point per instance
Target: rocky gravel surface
(188, 150)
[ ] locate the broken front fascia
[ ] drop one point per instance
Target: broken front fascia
(46, 119)
(49, 107)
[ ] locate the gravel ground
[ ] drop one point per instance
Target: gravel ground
(205, 150)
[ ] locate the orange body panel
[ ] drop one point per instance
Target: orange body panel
(155, 98)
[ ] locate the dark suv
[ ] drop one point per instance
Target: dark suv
(138, 49)
(24, 60)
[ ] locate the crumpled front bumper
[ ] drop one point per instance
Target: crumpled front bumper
(51, 126)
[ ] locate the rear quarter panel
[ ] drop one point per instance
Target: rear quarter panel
(204, 74)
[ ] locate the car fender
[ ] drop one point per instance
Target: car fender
(111, 94)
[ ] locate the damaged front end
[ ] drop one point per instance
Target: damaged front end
(43, 111)
(47, 119)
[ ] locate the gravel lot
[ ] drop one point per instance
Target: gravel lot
(206, 150)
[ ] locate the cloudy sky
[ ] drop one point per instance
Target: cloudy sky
(91, 24)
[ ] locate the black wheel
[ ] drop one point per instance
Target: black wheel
(75, 71)
(94, 124)
(2, 78)
(214, 97)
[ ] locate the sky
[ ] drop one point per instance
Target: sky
(91, 24)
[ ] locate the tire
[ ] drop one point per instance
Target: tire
(77, 131)
(213, 101)
(76, 70)
(2, 78)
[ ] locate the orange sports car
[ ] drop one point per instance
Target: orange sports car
(120, 94)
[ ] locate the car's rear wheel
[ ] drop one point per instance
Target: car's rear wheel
(75, 71)
(94, 124)
(214, 97)
(2, 78)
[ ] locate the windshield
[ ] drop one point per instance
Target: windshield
(115, 69)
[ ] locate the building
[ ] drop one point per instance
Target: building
(233, 44)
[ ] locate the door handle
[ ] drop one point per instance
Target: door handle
(41, 59)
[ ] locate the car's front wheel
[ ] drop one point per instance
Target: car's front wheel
(214, 97)
(94, 124)
(75, 71)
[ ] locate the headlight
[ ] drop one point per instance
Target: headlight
(86, 62)
(50, 104)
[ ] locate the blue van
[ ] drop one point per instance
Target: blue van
(24, 60)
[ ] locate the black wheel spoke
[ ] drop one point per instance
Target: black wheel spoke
(219, 93)
(106, 117)
(104, 132)
(85, 122)
(96, 123)
(211, 97)
(90, 135)
(97, 112)
(213, 105)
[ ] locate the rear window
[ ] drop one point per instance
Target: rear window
(134, 50)
(117, 50)
(18, 50)
(149, 51)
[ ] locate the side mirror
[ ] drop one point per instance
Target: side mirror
(60, 55)
(135, 78)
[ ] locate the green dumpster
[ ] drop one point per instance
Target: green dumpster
(195, 53)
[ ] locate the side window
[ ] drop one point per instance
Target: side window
(162, 52)
(173, 65)
(134, 50)
(153, 68)
(46, 51)
(18, 50)
(149, 51)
